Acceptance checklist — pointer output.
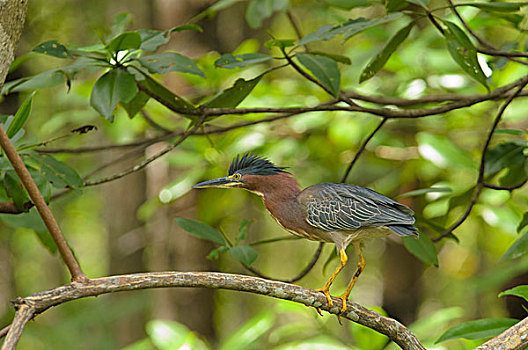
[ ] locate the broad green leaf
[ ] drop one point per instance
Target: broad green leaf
(31, 220)
(21, 116)
(59, 174)
(383, 56)
(523, 223)
(53, 48)
(324, 69)
(125, 41)
(424, 191)
(169, 62)
(232, 97)
(163, 95)
(496, 6)
(348, 28)
(503, 156)
(111, 88)
(395, 5)
(181, 28)
(15, 190)
(244, 253)
(252, 330)
(239, 61)
(463, 52)
(152, 39)
(136, 104)
(423, 248)
(517, 249)
(120, 22)
(200, 230)
(258, 10)
(45, 79)
(337, 58)
(518, 291)
(478, 329)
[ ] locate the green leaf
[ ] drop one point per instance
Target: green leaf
(169, 62)
(181, 28)
(324, 69)
(242, 232)
(496, 6)
(134, 106)
(239, 61)
(518, 291)
(423, 191)
(15, 190)
(244, 253)
(152, 39)
(510, 156)
(349, 4)
(463, 52)
(478, 329)
(31, 220)
(337, 58)
(523, 223)
(21, 116)
(111, 88)
(423, 248)
(383, 56)
(232, 97)
(46, 240)
(43, 80)
(258, 10)
(200, 230)
(53, 48)
(348, 28)
(517, 249)
(163, 95)
(395, 5)
(120, 22)
(125, 41)
(515, 132)
(59, 174)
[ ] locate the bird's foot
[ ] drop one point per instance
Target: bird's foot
(344, 298)
(327, 295)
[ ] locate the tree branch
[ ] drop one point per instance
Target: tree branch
(39, 302)
(43, 209)
(22, 316)
(480, 180)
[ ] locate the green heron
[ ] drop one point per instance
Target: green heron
(337, 213)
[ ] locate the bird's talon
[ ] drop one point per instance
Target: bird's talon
(344, 307)
(319, 311)
(327, 295)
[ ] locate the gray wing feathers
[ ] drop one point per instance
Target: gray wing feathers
(335, 207)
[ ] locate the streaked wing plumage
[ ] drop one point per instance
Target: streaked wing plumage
(340, 207)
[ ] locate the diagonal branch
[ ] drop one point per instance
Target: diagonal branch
(43, 209)
(39, 302)
(514, 338)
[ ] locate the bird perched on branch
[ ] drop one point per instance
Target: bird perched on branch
(337, 213)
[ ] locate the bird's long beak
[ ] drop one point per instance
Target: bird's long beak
(223, 182)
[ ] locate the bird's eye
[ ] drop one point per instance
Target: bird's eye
(237, 176)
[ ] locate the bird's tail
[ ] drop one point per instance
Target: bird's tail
(404, 230)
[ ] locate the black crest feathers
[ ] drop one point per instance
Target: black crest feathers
(251, 164)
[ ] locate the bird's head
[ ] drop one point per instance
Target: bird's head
(249, 171)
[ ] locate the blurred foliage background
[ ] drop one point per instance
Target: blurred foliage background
(128, 225)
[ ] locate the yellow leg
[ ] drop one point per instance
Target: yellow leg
(326, 288)
(360, 267)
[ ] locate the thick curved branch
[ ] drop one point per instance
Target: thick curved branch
(39, 302)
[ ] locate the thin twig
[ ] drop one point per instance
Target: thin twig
(303, 273)
(153, 123)
(397, 332)
(43, 209)
(149, 160)
(3, 331)
(494, 51)
(506, 188)
(361, 149)
(480, 179)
